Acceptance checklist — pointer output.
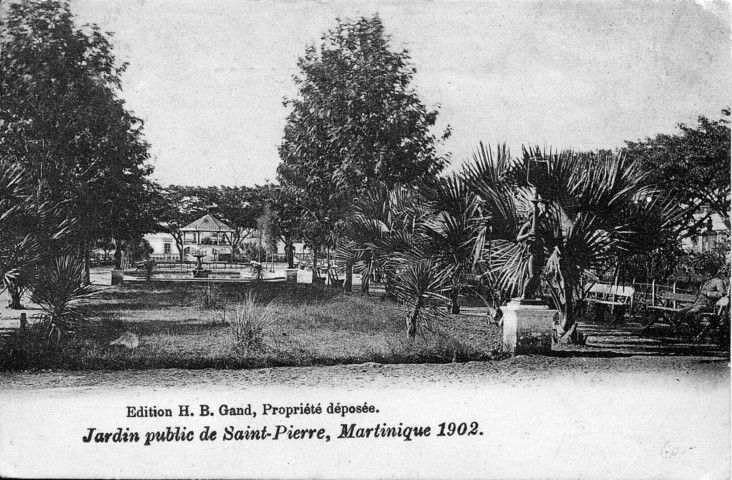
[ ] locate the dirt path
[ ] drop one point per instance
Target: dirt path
(523, 371)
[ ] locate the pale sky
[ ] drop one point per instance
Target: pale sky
(208, 77)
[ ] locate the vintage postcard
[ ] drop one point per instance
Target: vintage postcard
(365, 239)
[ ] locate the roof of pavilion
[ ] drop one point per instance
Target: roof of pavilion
(207, 223)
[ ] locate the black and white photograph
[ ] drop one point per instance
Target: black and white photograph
(365, 239)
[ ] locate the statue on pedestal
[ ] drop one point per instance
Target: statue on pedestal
(528, 232)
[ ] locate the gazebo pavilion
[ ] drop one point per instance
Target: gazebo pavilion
(208, 231)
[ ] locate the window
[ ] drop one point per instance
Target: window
(166, 248)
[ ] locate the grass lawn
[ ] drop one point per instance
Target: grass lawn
(308, 325)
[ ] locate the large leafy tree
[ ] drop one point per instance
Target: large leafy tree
(357, 123)
(126, 227)
(694, 165)
(62, 120)
(284, 219)
(238, 207)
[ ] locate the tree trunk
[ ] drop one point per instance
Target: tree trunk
(234, 241)
(567, 328)
(455, 297)
(179, 244)
(315, 263)
(568, 319)
(117, 254)
(365, 279)
(290, 253)
(86, 258)
(412, 321)
(126, 257)
(568, 336)
(348, 282)
(16, 293)
(389, 284)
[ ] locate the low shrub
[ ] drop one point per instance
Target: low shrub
(211, 297)
(55, 288)
(250, 323)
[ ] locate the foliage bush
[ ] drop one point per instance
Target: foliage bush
(55, 287)
(250, 323)
(258, 270)
(211, 297)
(697, 267)
(253, 252)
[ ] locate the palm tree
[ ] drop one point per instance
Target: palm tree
(29, 229)
(383, 224)
(17, 248)
(420, 289)
(595, 211)
(397, 233)
(58, 284)
(450, 233)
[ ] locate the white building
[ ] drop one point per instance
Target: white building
(210, 236)
(207, 236)
(715, 233)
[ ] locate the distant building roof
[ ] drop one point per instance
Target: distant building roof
(207, 223)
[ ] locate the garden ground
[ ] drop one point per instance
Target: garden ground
(627, 405)
(185, 325)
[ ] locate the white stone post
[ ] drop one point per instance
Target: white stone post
(118, 277)
(527, 327)
(291, 275)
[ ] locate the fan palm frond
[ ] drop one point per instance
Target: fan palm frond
(421, 288)
(593, 212)
(55, 288)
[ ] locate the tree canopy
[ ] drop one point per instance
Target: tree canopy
(356, 123)
(61, 118)
(694, 165)
(238, 207)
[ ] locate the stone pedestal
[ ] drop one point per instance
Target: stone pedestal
(291, 275)
(527, 327)
(117, 276)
